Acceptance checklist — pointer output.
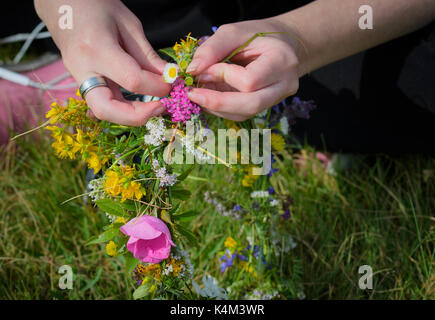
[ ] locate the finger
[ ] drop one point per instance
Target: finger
(238, 103)
(228, 116)
(123, 69)
(105, 106)
(215, 49)
(260, 73)
(136, 44)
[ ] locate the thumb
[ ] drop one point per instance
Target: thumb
(214, 49)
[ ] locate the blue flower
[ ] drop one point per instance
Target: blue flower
(286, 215)
(271, 190)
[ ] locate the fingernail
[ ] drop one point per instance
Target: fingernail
(197, 98)
(158, 111)
(193, 66)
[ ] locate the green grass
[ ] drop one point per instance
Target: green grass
(380, 215)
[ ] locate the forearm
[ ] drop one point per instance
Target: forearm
(329, 29)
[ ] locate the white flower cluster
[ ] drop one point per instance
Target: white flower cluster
(156, 131)
(96, 189)
(166, 180)
(274, 202)
(259, 194)
(211, 289)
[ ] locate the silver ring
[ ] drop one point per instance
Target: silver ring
(90, 84)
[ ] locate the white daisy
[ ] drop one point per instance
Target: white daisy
(170, 73)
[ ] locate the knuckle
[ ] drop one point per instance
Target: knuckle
(226, 28)
(249, 84)
(132, 81)
(98, 113)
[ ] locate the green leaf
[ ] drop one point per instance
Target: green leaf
(111, 207)
(180, 193)
(130, 263)
(175, 208)
(187, 234)
(170, 53)
(129, 205)
(186, 216)
(184, 175)
(141, 291)
(104, 237)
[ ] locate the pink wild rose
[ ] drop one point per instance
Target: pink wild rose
(150, 239)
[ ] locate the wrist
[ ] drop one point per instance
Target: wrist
(294, 37)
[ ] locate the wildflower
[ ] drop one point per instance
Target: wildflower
(66, 147)
(230, 243)
(156, 132)
(96, 189)
(277, 141)
(274, 203)
(150, 239)
(94, 162)
(286, 215)
(133, 190)
(112, 184)
(249, 179)
(271, 190)
(170, 73)
(55, 112)
(178, 103)
(220, 208)
(111, 248)
(166, 179)
(142, 273)
(121, 220)
(228, 260)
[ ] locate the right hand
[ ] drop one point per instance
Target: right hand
(107, 39)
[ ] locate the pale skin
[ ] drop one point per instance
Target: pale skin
(263, 73)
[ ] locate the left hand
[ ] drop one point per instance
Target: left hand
(259, 76)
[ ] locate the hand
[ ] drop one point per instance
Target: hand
(260, 75)
(107, 39)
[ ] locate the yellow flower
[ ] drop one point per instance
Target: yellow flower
(111, 248)
(94, 162)
(133, 190)
(121, 220)
(112, 184)
(66, 147)
(56, 132)
(230, 243)
(249, 179)
(277, 141)
(55, 112)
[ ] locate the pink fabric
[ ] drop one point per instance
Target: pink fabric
(150, 239)
(23, 107)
